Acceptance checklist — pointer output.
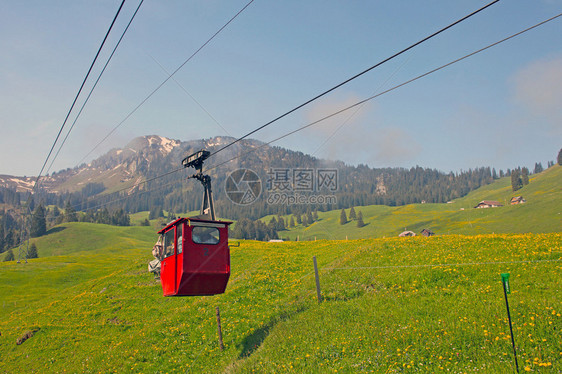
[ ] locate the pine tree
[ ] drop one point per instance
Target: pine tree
(31, 204)
(38, 222)
(32, 251)
(352, 214)
(9, 255)
(525, 176)
(272, 223)
(299, 219)
(9, 240)
(360, 222)
(292, 222)
(280, 223)
(2, 241)
(560, 157)
(516, 182)
(343, 217)
(70, 213)
(538, 168)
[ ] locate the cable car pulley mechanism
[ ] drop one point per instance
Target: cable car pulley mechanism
(196, 161)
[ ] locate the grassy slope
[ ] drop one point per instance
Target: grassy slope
(541, 213)
(71, 253)
(112, 179)
(75, 237)
(137, 218)
(100, 311)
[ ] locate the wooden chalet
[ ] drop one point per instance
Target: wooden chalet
(488, 204)
(407, 233)
(517, 200)
(427, 232)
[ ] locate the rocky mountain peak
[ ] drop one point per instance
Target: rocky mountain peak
(149, 143)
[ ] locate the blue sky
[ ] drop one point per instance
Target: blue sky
(500, 108)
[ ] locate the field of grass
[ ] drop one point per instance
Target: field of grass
(389, 305)
(542, 213)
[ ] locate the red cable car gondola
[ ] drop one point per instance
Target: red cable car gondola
(196, 257)
(194, 253)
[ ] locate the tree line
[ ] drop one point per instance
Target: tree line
(357, 186)
(246, 228)
(14, 223)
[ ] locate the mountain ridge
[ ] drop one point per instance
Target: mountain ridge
(151, 165)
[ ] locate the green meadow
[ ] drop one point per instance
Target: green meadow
(388, 304)
(541, 213)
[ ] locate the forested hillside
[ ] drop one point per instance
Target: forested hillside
(146, 175)
(116, 179)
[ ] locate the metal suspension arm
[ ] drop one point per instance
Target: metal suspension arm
(208, 206)
(196, 161)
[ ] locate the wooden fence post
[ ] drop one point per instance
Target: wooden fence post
(318, 294)
(221, 345)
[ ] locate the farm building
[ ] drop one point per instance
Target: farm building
(427, 232)
(517, 200)
(488, 204)
(407, 233)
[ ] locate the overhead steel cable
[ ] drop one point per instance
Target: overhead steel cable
(191, 97)
(385, 92)
(356, 76)
(170, 76)
(77, 95)
(36, 185)
(166, 80)
(123, 198)
(95, 84)
(351, 106)
(294, 109)
(345, 122)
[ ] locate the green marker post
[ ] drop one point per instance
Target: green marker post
(506, 290)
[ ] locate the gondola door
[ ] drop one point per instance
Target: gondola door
(180, 235)
(168, 273)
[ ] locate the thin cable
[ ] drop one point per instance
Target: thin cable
(346, 121)
(385, 92)
(166, 80)
(126, 197)
(294, 109)
(444, 265)
(190, 96)
(35, 186)
(355, 76)
(94, 86)
(353, 105)
(136, 185)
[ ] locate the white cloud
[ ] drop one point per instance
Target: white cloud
(394, 146)
(42, 129)
(358, 136)
(538, 89)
